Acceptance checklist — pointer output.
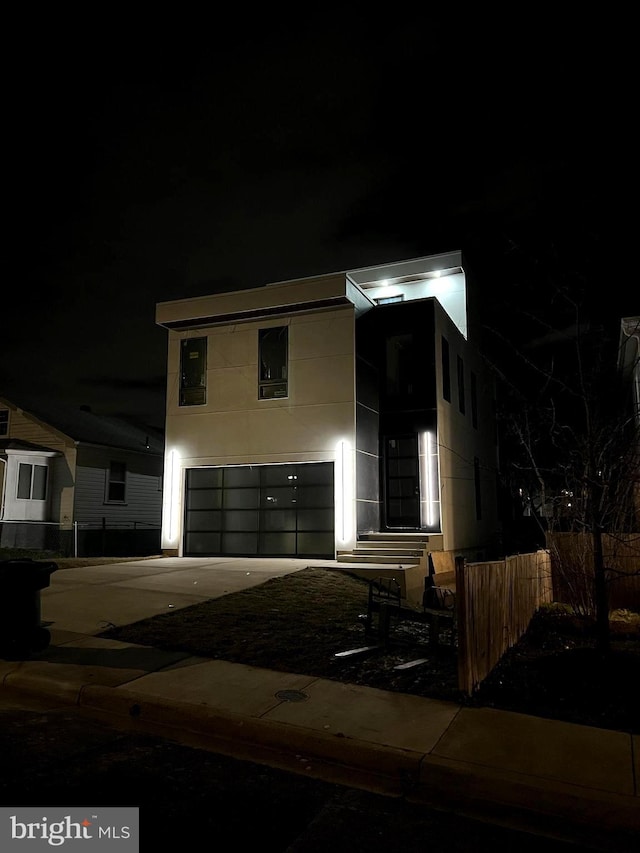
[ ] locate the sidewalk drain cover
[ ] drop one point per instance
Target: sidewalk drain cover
(291, 695)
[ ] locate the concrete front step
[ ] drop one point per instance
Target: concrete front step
(385, 552)
(387, 544)
(385, 547)
(357, 557)
(394, 537)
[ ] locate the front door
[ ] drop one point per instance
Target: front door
(402, 482)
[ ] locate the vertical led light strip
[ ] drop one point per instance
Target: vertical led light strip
(339, 490)
(343, 491)
(424, 480)
(428, 479)
(173, 497)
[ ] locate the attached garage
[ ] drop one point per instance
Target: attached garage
(260, 511)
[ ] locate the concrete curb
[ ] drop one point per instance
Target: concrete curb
(535, 804)
(376, 767)
(545, 807)
(38, 684)
(539, 805)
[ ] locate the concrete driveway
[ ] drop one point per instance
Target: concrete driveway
(90, 599)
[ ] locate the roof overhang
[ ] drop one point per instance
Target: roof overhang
(431, 266)
(16, 447)
(283, 298)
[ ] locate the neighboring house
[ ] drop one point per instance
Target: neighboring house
(67, 478)
(303, 415)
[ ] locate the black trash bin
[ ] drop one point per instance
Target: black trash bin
(21, 629)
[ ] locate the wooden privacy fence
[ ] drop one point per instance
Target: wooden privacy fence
(495, 602)
(572, 568)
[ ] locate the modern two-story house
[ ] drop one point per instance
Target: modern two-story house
(304, 415)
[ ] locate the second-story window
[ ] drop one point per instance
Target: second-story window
(273, 354)
(4, 421)
(193, 372)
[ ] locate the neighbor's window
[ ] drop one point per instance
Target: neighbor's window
(32, 482)
(273, 352)
(4, 421)
(446, 370)
(117, 482)
(193, 372)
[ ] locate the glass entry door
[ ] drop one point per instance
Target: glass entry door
(402, 482)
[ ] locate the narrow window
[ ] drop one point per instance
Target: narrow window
(273, 353)
(193, 372)
(402, 361)
(474, 401)
(117, 482)
(461, 405)
(476, 477)
(446, 371)
(4, 422)
(32, 482)
(388, 300)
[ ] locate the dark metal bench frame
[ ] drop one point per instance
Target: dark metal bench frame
(385, 600)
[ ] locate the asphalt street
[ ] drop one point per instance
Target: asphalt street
(53, 755)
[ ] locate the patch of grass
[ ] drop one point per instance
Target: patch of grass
(67, 562)
(82, 562)
(297, 623)
(24, 554)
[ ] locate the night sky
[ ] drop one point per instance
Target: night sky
(155, 164)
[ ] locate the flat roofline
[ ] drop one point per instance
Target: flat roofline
(296, 295)
(248, 290)
(445, 260)
(253, 314)
(408, 269)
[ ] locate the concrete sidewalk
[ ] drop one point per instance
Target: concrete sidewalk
(560, 779)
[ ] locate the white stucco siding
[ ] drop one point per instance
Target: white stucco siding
(304, 434)
(460, 444)
(234, 423)
(235, 427)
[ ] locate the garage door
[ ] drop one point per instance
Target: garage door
(260, 511)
